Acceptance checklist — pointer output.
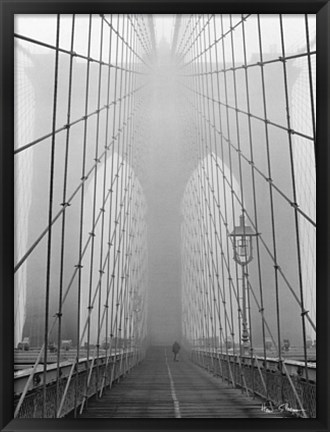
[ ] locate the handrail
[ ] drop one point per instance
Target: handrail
(294, 391)
(284, 368)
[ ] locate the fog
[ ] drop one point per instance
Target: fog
(167, 168)
(165, 161)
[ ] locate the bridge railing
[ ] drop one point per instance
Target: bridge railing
(77, 384)
(279, 382)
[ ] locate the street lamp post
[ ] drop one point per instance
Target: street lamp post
(243, 255)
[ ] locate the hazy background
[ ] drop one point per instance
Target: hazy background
(165, 162)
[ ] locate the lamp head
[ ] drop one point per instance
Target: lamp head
(242, 242)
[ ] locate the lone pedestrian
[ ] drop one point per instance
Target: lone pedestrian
(175, 348)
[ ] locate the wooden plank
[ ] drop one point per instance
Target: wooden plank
(146, 392)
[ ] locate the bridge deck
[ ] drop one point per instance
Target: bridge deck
(160, 387)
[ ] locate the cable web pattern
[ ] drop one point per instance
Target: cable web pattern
(83, 266)
(93, 97)
(254, 110)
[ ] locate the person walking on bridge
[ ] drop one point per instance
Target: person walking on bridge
(175, 348)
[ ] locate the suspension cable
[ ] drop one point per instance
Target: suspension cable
(50, 215)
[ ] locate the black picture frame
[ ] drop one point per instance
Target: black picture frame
(8, 8)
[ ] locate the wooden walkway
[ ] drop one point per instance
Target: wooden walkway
(160, 387)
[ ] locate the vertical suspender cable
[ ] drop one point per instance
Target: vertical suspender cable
(64, 204)
(231, 188)
(120, 250)
(118, 212)
(276, 267)
(247, 88)
(245, 286)
(50, 217)
(203, 198)
(82, 211)
(113, 198)
(310, 78)
(215, 187)
(107, 181)
(101, 271)
(92, 232)
(224, 201)
(210, 188)
(115, 255)
(294, 190)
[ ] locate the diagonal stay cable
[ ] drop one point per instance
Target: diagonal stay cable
(269, 252)
(252, 163)
(75, 54)
(68, 202)
(81, 119)
(263, 242)
(252, 65)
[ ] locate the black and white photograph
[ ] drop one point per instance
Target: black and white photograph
(165, 216)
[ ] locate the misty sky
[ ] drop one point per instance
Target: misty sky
(167, 142)
(43, 27)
